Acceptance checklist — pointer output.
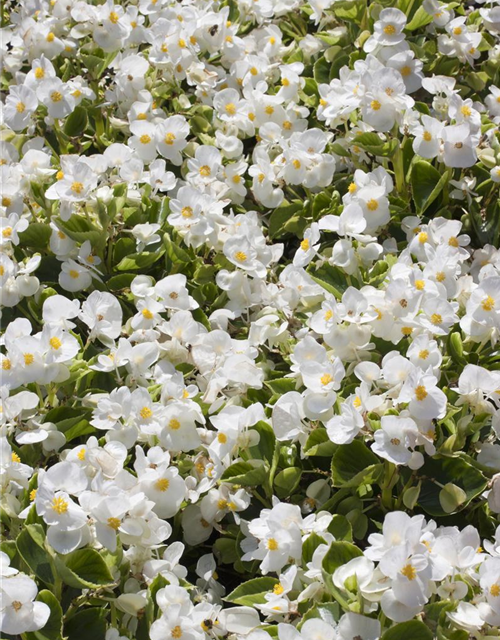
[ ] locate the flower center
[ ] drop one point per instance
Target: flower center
(421, 392)
(409, 571)
(59, 505)
(162, 484)
(488, 303)
(55, 343)
(325, 379)
(114, 523)
(272, 544)
(145, 413)
(77, 187)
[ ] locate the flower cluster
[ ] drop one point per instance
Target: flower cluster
(250, 298)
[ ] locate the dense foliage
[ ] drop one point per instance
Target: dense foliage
(250, 290)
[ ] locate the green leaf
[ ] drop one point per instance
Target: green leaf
(486, 227)
(89, 624)
(352, 10)
(372, 143)
(451, 497)
(37, 236)
(226, 550)
(444, 471)
(354, 464)
(70, 421)
(309, 546)
(97, 65)
(80, 229)
(419, 20)
(427, 184)
(327, 611)
(338, 554)
(332, 279)
(283, 214)
(265, 447)
(53, 627)
(412, 630)
(246, 474)
(319, 444)
(287, 481)
(76, 122)
(341, 528)
(141, 260)
(321, 71)
(31, 546)
(175, 252)
(83, 569)
(252, 592)
(123, 281)
(281, 386)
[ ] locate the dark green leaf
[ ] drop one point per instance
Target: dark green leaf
(353, 462)
(252, 592)
(84, 568)
(444, 471)
(414, 630)
(89, 624)
(76, 122)
(52, 630)
(37, 236)
(287, 481)
(30, 544)
(245, 474)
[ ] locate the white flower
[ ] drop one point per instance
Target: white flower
(19, 612)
